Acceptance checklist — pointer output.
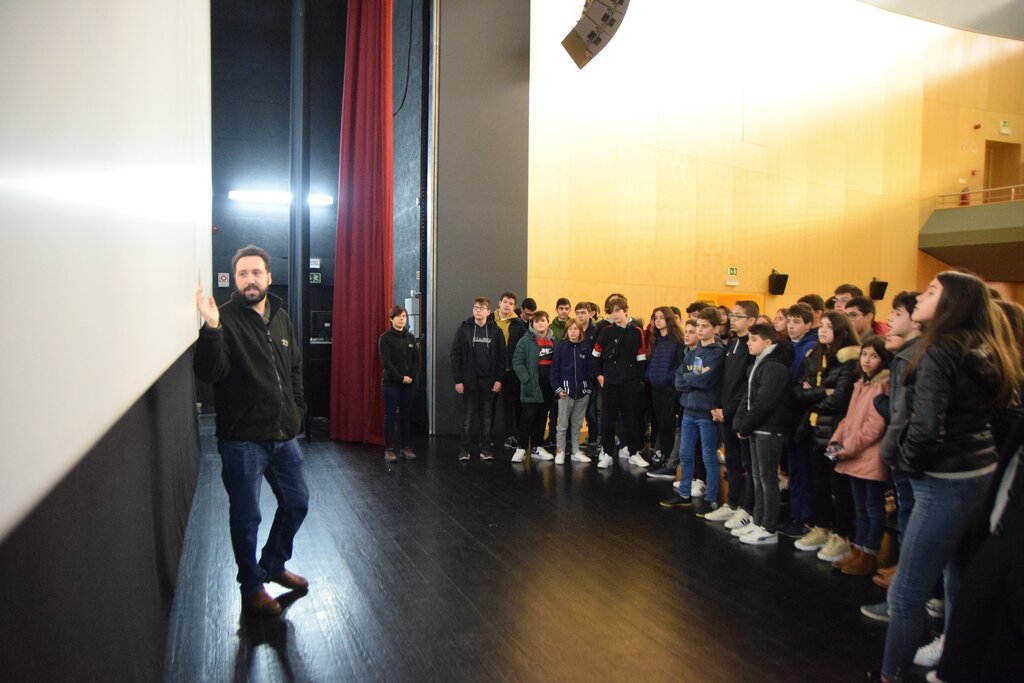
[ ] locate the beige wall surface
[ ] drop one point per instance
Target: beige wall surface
(809, 137)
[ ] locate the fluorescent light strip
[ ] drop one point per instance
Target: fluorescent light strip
(272, 197)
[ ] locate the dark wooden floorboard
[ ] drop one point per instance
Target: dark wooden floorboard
(440, 571)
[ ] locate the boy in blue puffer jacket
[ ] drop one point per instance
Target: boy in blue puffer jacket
(572, 378)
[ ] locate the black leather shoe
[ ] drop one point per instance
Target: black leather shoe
(290, 580)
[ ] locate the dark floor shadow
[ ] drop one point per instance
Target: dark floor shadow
(275, 631)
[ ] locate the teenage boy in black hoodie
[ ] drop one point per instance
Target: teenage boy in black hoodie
(736, 511)
(620, 351)
(478, 358)
(584, 317)
(765, 418)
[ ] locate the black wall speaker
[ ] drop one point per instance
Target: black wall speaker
(777, 283)
(877, 289)
(596, 26)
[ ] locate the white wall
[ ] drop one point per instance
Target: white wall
(104, 220)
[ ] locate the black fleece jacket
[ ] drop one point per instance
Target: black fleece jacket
(734, 376)
(256, 372)
(767, 405)
(399, 355)
(462, 351)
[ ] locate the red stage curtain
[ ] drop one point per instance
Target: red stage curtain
(364, 254)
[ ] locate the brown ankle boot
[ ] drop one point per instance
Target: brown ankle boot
(888, 571)
(852, 557)
(864, 565)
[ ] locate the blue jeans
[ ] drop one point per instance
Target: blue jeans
(944, 510)
(690, 430)
(869, 507)
(244, 464)
(904, 501)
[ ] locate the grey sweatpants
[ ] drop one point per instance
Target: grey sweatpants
(571, 412)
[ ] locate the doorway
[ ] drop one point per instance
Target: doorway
(1002, 170)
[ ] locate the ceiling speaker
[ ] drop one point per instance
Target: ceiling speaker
(596, 26)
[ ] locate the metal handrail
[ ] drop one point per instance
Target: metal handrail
(992, 195)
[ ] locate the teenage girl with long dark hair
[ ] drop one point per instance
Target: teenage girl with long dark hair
(965, 370)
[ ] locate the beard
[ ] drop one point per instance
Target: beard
(253, 295)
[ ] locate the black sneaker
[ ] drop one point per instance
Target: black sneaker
(704, 508)
(793, 529)
(512, 442)
(486, 456)
(463, 456)
(677, 501)
(662, 473)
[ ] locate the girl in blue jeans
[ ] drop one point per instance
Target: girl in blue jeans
(965, 369)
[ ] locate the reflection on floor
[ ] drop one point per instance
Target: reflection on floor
(436, 570)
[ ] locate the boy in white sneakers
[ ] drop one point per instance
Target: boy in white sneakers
(765, 416)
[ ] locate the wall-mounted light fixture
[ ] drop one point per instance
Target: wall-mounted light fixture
(273, 197)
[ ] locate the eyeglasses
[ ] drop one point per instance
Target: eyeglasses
(478, 307)
(737, 316)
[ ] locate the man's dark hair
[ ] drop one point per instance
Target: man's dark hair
(529, 304)
(582, 306)
(508, 295)
(537, 315)
(848, 289)
(862, 304)
(814, 301)
(802, 311)
(906, 300)
(711, 314)
(695, 307)
(594, 309)
(250, 250)
(676, 311)
(562, 301)
(482, 300)
(749, 308)
(764, 331)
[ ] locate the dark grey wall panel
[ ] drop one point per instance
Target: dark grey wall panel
(478, 237)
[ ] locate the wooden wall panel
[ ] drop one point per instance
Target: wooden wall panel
(811, 139)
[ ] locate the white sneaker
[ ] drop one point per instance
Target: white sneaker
(930, 654)
(560, 458)
(721, 514)
(605, 461)
(579, 456)
(638, 460)
(783, 482)
(935, 608)
(519, 455)
(697, 488)
(933, 677)
(741, 531)
(760, 537)
(740, 518)
(624, 452)
(835, 549)
(539, 453)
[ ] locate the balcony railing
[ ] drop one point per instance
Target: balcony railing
(993, 195)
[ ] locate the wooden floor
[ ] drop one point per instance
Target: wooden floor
(440, 571)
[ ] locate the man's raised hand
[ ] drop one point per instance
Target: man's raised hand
(207, 309)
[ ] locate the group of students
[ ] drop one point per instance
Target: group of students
(840, 406)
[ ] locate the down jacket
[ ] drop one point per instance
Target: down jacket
(860, 432)
(824, 411)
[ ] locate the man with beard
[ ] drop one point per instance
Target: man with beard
(247, 352)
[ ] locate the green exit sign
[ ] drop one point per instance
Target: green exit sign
(733, 271)
(314, 278)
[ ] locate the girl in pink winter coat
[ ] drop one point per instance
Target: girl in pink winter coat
(857, 446)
